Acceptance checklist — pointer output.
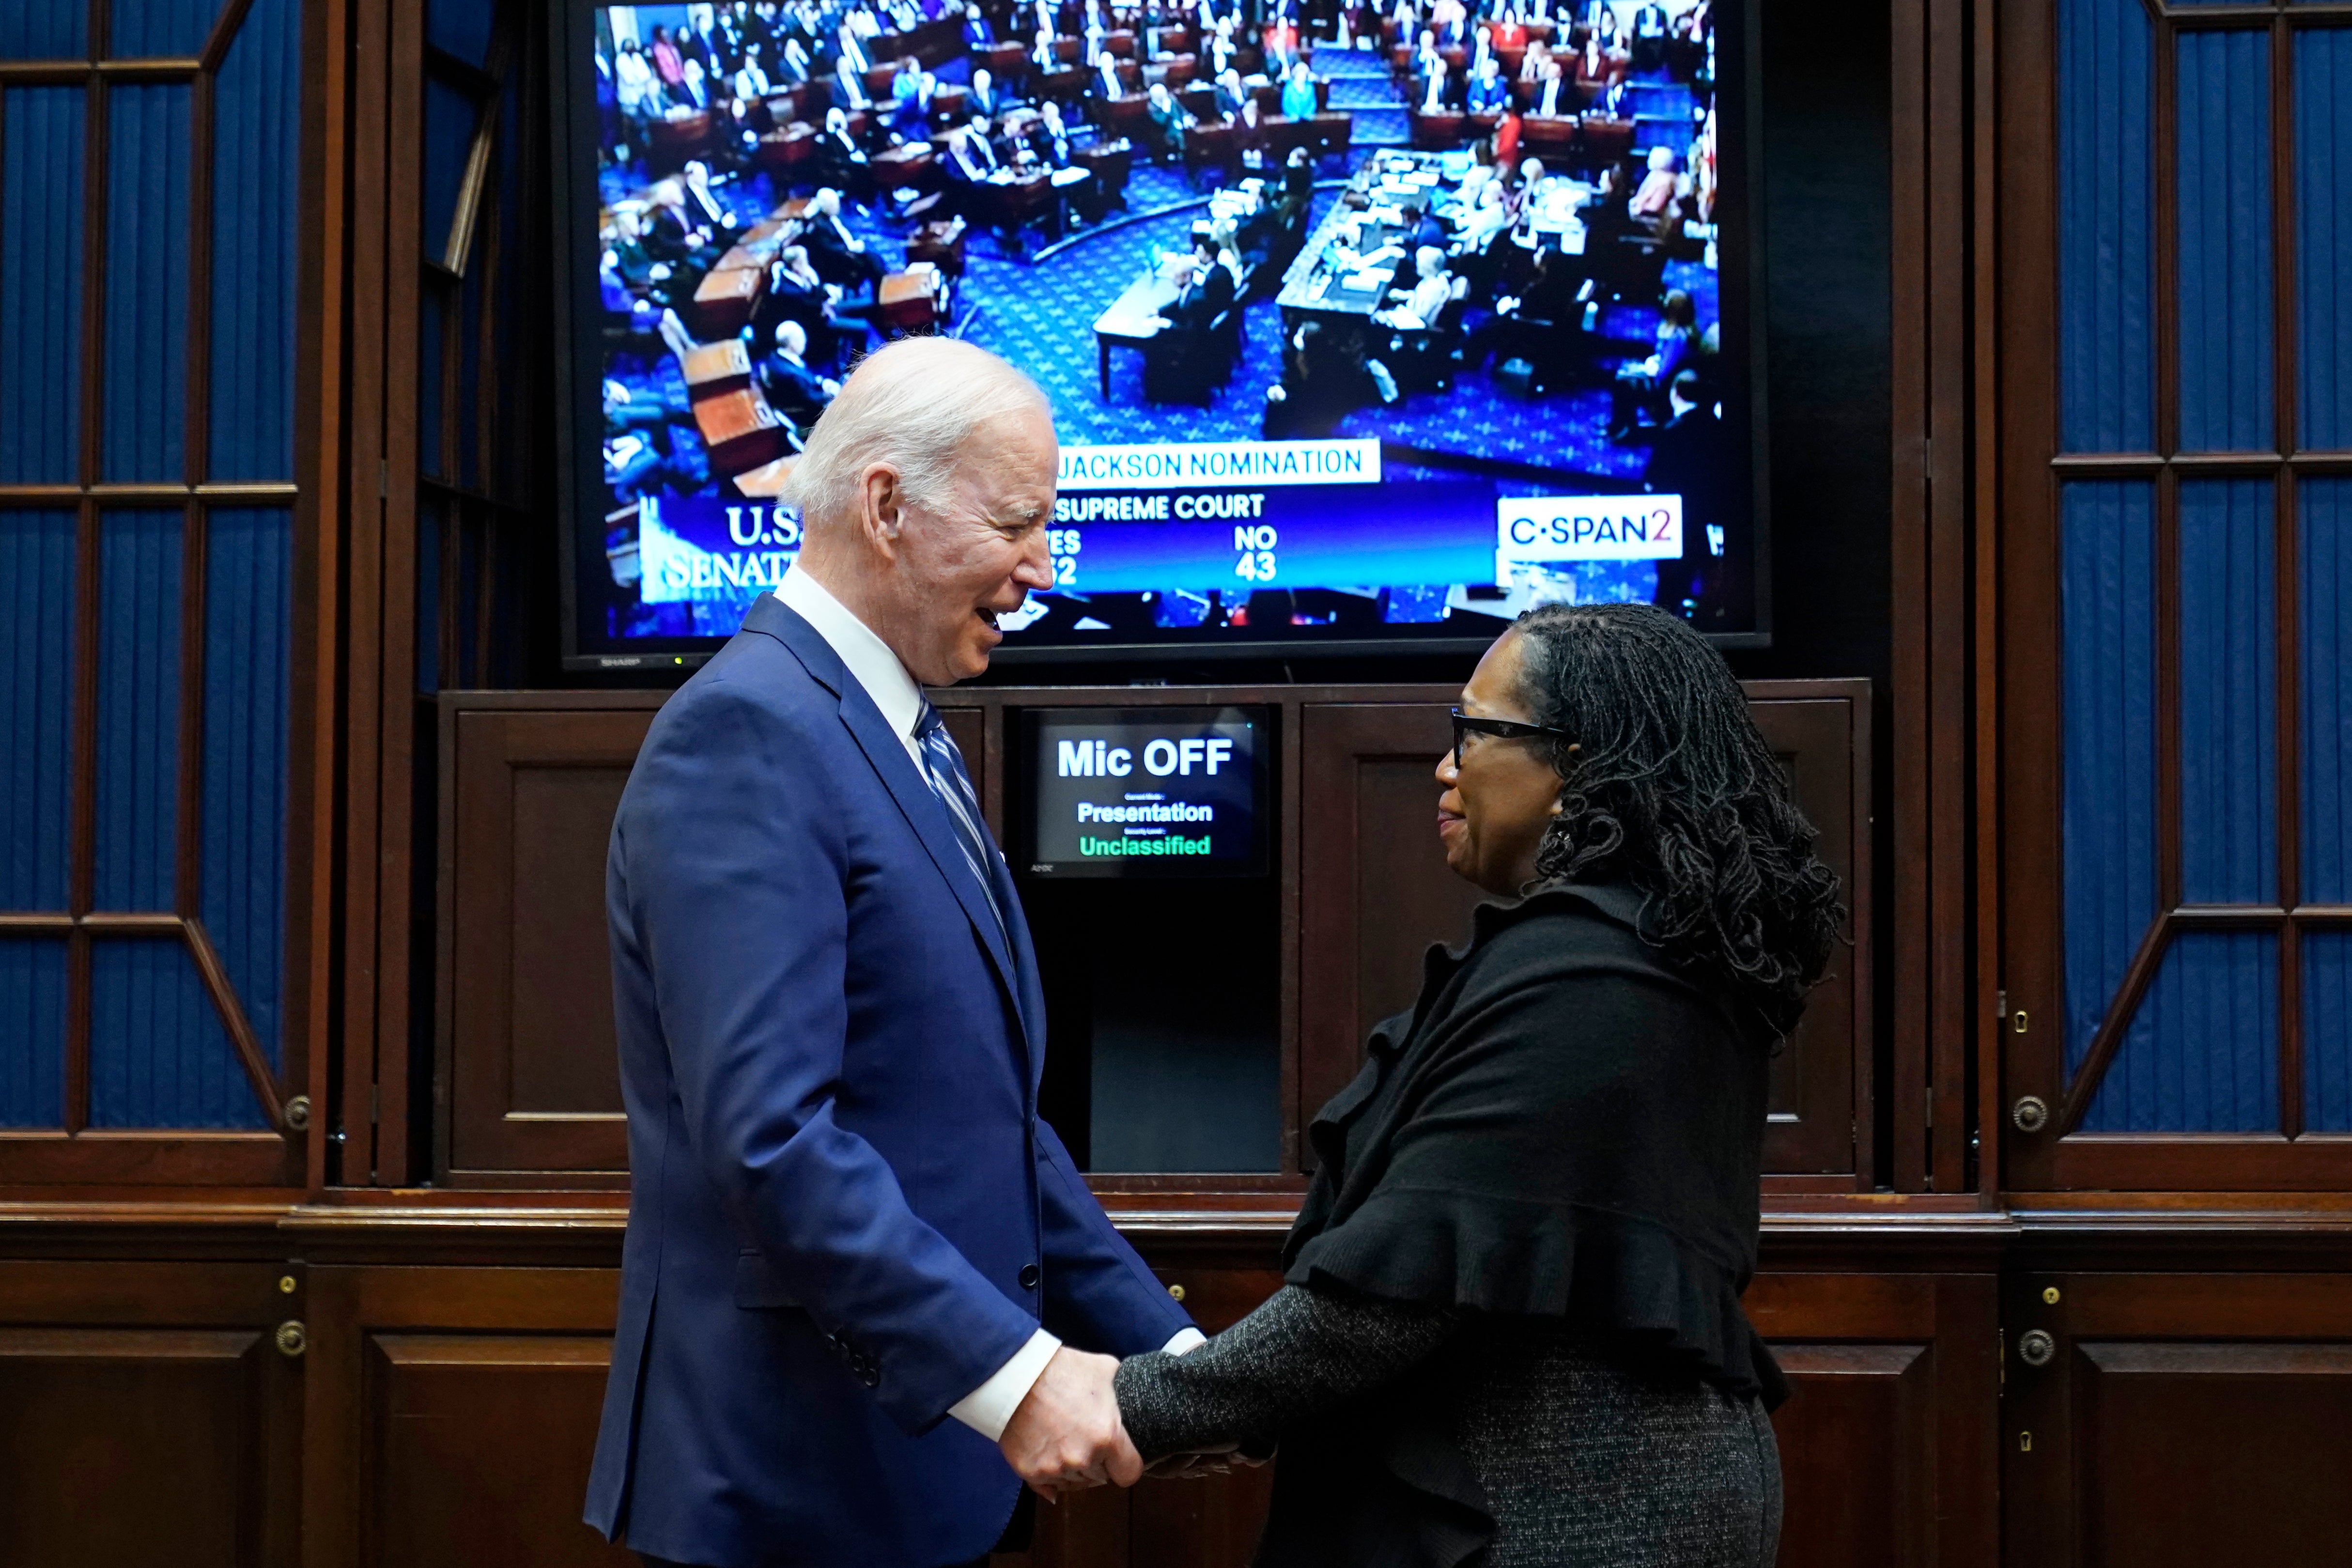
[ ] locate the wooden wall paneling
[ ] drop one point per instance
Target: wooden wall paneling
(527, 1084)
(1375, 890)
(1887, 1444)
(2180, 1419)
(2026, 709)
(451, 1414)
(147, 1415)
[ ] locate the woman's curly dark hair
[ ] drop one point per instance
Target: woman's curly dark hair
(1667, 786)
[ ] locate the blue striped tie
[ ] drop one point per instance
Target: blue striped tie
(944, 765)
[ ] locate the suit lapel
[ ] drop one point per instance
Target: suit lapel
(916, 802)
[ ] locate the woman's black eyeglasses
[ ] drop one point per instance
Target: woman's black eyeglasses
(1502, 728)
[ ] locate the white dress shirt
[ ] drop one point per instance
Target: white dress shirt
(989, 1408)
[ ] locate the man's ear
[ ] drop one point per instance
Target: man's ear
(883, 514)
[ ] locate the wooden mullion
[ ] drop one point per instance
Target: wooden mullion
(1910, 178)
(1944, 592)
(320, 507)
(1985, 750)
(2165, 236)
(187, 861)
(223, 34)
(360, 676)
(2286, 576)
(2166, 632)
(396, 704)
(2137, 975)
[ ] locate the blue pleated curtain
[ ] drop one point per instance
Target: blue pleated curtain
(2203, 594)
(145, 633)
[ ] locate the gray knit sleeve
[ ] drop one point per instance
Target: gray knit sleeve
(1301, 1351)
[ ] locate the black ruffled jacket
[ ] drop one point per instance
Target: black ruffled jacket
(1563, 1126)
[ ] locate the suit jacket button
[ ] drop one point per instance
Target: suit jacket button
(1030, 1276)
(873, 1378)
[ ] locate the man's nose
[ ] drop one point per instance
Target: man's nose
(1036, 568)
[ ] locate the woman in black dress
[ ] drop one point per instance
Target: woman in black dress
(1511, 1333)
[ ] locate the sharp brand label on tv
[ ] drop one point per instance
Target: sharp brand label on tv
(1331, 379)
(1145, 791)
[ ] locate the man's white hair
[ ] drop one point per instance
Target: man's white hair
(913, 405)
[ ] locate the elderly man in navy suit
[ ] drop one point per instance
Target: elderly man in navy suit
(865, 1293)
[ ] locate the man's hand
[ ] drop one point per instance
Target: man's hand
(1066, 1434)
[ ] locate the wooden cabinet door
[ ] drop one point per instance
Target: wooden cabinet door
(1375, 892)
(2178, 1420)
(148, 1416)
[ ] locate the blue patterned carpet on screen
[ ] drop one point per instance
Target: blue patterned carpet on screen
(1042, 315)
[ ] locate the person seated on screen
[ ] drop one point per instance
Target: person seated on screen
(1639, 385)
(980, 143)
(1482, 48)
(1650, 28)
(841, 162)
(790, 386)
(753, 83)
(795, 293)
(1165, 120)
(1108, 87)
(703, 206)
(847, 85)
(1510, 29)
(1653, 202)
(1203, 292)
(839, 256)
(984, 97)
(1532, 63)
(979, 32)
(1432, 79)
(1451, 25)
(1554, 98)
(1049, 138)
(1249, 143)
(1489, 93)
(673, 237)
(849, 49)
(637, 445)
(1416, 307)
(1043, 59)
(1298, 92)
(1219, 53)
(794, 64)
(1537, 318)
(1325, 378)
(910, 102)
(1231, 94)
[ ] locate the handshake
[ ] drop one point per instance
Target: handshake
(1067, 1435)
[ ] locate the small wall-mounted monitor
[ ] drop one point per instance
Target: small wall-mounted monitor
(1146, 792)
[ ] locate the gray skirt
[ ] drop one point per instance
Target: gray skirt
(1589, 1459)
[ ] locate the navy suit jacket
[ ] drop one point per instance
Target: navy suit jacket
(844, 1213)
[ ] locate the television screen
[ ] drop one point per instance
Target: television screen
(1369, 335)
(1152, 792)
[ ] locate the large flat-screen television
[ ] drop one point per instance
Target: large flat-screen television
(1361, 338)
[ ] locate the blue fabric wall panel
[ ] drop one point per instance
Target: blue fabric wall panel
(146, 360)
(461, 27)
(36, 601)
(32, 1032)
(256, 112)
(2323, 192)
(2201, 1052)
(248, 659)
(36, 32)
(2224, 184)
(2327, 1031)
(2229, 692)
(158, 1054)
(152, 29)
(2325, 619)
(139, 568)
(2108, 829)
(41, 148)
(2106, 257)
